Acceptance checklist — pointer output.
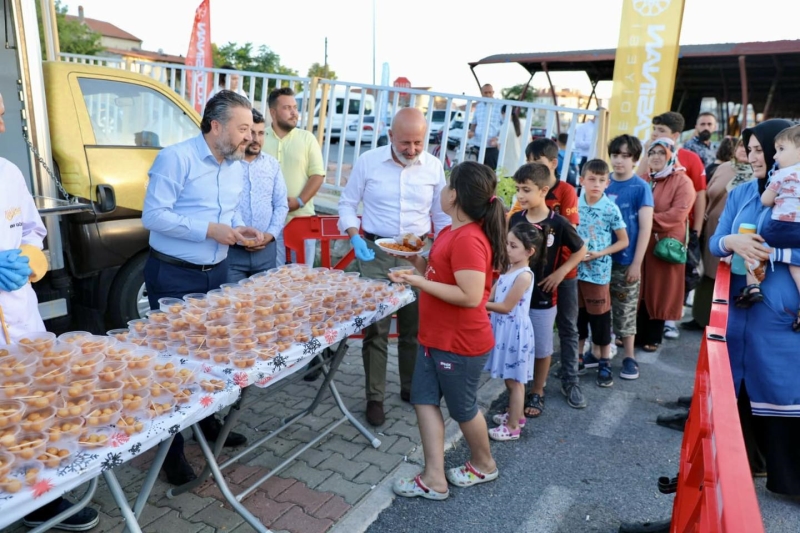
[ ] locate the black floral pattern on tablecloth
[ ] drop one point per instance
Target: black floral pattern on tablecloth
(358, 322)
(112, 460)
(278, 362)
(312, 346)
(80, 463)
(174, 429)
(135, 449)
(227, 370)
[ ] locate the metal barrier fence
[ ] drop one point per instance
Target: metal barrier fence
(359, 115)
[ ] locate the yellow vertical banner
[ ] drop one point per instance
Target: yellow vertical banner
(645, 65)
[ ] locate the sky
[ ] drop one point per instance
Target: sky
(429, 42)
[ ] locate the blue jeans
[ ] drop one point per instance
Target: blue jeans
(243, 264)
(567, 324)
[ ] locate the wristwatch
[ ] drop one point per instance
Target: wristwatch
(300, 202)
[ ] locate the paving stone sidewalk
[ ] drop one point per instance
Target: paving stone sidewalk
(312, 494)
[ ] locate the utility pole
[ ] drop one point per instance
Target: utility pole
(326, 53)
(373, 42)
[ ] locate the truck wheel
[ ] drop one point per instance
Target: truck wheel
(128, 298)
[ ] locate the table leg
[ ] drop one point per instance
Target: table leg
(233, 416)
(80, 504)
(122, 502)
(223, 486)
(150, 479)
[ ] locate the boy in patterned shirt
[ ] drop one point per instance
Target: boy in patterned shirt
(600, 220)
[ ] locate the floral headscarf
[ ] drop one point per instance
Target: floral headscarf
(672, 159)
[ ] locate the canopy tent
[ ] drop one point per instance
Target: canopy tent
(763, 74)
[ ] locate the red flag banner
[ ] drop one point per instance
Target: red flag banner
(199, 55)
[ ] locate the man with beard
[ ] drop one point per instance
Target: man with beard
(300, 157)
(701, 142)
(400, 185)
(190, 210)
(262, 205)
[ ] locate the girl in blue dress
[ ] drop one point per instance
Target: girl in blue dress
(513, 354)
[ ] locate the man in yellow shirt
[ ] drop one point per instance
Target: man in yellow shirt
(300, 157)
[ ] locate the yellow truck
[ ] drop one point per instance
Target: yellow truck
(84, 137)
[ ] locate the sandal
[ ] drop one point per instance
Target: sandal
(534, 401)
(412, 487)
(650, 348)
(750, 295)
(795, 328)
(467, 475)
(502, 433)
(503, 418)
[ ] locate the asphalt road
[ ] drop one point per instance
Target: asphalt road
(581, 471)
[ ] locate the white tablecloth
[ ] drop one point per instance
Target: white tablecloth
(88, 464)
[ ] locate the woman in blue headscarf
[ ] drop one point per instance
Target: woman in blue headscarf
(762, 347)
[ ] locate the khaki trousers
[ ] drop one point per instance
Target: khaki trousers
(376, 337)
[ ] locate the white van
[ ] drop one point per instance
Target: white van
(336, 116)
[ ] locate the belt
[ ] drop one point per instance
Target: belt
(372, 237)
(180, 262)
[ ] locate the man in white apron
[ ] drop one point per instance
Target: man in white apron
(21, 263)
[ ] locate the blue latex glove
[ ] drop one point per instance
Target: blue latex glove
(12, 280)
(11, 259)
(363, 253)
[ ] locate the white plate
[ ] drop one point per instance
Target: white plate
(380, 243)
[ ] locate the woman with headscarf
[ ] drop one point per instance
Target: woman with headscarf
(762, 347)
(662, 289)
(727, 177)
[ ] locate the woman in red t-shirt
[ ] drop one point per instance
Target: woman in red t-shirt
(455, 334)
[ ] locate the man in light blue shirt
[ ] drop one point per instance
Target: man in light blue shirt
(263, 205)
(190, 210)
(487, 117)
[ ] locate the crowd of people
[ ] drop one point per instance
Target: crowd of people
(608, 265)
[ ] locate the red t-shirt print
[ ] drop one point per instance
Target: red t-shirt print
(450, 328)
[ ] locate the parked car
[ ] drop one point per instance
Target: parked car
(537, 132)
(454, 136)
(438, 119)
(367, 132)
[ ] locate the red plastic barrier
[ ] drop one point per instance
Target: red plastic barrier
(715, 488)
(321, 228)
(325, 230)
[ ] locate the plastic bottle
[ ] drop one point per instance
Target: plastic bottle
(737, 263)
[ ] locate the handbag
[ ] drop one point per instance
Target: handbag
(672, 250)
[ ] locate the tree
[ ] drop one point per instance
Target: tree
(74, 37)
(242, 57)
(321, 71)
(513, 93)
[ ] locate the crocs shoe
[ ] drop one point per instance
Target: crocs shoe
(414, 487)
(502, 432)
(467, 475)
(501, 419)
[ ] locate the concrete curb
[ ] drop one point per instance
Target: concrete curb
(360, 517)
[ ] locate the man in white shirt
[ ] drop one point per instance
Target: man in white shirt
(584, 137)
(487, 117)
(400, 185)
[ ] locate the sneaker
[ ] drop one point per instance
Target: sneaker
(84, 520)
(630, 369)
(604, 376)
(574, 395)
(588, 361)
(671, 332)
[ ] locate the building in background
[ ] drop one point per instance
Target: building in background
(118, 43)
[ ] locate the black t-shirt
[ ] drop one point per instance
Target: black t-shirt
(558, 232)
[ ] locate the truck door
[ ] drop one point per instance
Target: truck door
(124, 125)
